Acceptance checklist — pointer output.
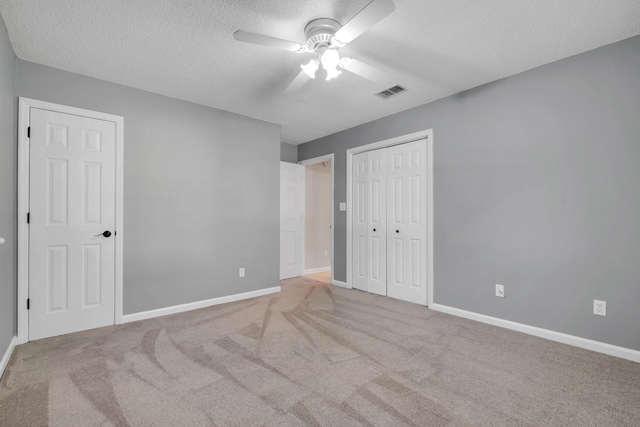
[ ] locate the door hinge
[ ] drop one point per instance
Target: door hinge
(29, 132)
(28, 303)
(28, 217)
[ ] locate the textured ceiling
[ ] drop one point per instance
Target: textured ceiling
(185, 49)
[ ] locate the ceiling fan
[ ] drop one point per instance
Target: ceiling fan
(324, 37)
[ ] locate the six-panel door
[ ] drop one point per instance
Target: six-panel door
(72, 203)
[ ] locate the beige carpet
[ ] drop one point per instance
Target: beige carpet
(314, 355)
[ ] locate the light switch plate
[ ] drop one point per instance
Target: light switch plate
(343, 206)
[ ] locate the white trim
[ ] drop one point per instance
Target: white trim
(303, 220)
(597, 346)
(430, 217)
(313, 161)
(316, 270)
(339, 283)
(24, 106)
(127, 318)
(424, 134)
(7, 355)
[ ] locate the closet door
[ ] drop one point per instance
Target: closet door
(360, 224)
(369, 222)
(407, 222)
(377, 209)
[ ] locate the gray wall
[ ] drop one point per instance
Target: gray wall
(536, 187)
(199, 186)
(288, 152)
(8, 166)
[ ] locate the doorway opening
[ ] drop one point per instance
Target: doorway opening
(318, 218)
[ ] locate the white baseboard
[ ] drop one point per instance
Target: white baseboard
(339, 283)
(196, 305)
(7, 355)
(316, 270)
(597, 346)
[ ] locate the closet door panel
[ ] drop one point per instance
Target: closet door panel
(360, 224)
(406, 233)
(396, 219)
(377, 210)
(416, 241)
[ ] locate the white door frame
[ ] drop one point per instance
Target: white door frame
(424, 134)
(25, 104)
(308, 162)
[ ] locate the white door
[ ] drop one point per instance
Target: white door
(291, 221)
(360, 226)
(407, 222)
(369, 222)
(72, 203)
(377, 208)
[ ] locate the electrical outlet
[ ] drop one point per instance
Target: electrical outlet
(599, 307)
(500, 291)
(241, 272)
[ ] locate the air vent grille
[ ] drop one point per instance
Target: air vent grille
(394, 90)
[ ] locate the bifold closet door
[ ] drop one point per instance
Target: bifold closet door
(407, 222)
(369, 222)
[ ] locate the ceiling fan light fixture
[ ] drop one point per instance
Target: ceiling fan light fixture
(324, 36)
(311, 67)
(344, 62)
(335, 43)
(333, 73)
(330, 60)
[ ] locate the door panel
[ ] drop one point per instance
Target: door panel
(93, 193)
(408, 222)
(360, 224)
(396, 260)
(369, 222)
(72, 199)
(377, 209)
(291, 226)
(57, 279)
(92, 269)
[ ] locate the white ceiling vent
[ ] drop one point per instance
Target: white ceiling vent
(394, 90)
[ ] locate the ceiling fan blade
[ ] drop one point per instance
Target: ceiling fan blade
(367, 71)
(301, 79)
(261, 39)
(366, 18)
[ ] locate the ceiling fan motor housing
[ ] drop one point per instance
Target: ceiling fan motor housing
(319, 32)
